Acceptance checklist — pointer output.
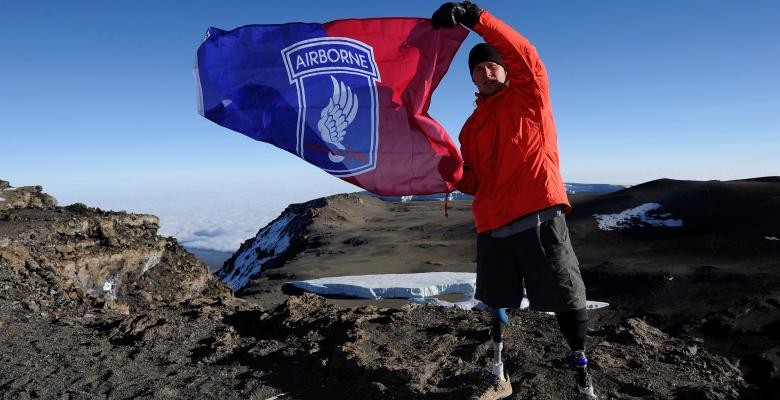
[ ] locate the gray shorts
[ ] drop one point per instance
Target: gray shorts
(542, 257)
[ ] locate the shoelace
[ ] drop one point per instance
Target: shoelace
(488, 384)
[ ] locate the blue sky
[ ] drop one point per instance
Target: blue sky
(97, 99)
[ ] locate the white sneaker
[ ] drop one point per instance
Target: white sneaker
(587, 392)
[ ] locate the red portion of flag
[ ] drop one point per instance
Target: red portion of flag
(415, 154)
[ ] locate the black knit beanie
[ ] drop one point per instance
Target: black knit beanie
(481, 53)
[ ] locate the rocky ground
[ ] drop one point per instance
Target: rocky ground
(95, 305)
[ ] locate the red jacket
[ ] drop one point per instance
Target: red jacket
(509, 144)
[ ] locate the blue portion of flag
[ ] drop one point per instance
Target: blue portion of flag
(244, 83)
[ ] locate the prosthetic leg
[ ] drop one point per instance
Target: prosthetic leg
(495, 385)
(574, 326)
(498, 324)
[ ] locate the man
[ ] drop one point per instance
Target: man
(511, 166)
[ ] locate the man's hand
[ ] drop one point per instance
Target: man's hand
(451, 14)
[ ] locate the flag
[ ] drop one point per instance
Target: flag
(348, 96)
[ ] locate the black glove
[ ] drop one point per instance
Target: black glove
(451, 14)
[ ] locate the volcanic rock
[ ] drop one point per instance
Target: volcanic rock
(24, 197)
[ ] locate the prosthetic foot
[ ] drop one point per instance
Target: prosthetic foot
(496, 385)
(584, 381)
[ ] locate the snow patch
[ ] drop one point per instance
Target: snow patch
(644, 215)
(772, 238)
(393, 286)
(595, 305)
(419, 288)
(152, 261)
(271, 241)
(109, 289)
(470, 303)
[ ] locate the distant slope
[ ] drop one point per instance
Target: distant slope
(571, 188)
(741, 211)
(354, 234)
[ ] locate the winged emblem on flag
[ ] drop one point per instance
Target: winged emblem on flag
(336, 116)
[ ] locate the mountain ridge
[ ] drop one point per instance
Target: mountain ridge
(168, 329)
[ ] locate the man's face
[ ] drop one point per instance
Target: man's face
(489, 77)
